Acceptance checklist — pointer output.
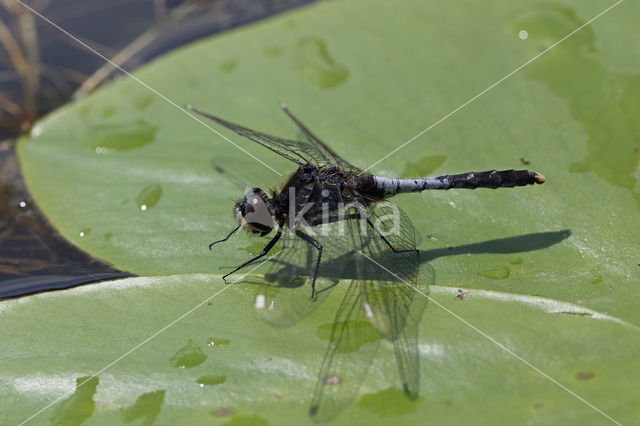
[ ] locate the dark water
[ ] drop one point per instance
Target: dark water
(33, 256)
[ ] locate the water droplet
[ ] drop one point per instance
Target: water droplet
(108, 236)
(272, 52)
(246, 420)
(142, 102)
(365, 331)
(424, 166)
(580, 62)
(192, 81)
(108, 112)
(497, 273)
(228, 67)
(146, 407)
(367, 310)
(253, 248)
(79, 406)
(36, 130)
(189, 356)
(124, 136)
(210, 380)
(217, 341)
(316, 64)
(523, 34)
(390, 402)
(259, 302)
(149, 197)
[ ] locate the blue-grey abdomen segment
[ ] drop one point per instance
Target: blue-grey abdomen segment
(471, 180)
(392, 186)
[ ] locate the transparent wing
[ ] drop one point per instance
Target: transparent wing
(352, 346)
(328, 154)
(381, 302)
(312, 151)
(395, 301)
(282, 294)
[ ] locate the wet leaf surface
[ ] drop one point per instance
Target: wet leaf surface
(560, 261)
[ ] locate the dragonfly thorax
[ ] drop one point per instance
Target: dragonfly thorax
(254, 212)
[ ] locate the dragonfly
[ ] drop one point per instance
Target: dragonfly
(335, 222)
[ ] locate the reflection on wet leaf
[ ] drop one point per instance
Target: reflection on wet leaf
(594, 92)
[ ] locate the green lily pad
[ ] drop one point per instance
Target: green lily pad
(366, 77)
(69, 336)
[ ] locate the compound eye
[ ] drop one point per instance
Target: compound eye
(257, 213)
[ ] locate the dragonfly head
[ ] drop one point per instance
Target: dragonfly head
(255, 212)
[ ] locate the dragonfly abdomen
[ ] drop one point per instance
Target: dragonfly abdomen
(471, 180)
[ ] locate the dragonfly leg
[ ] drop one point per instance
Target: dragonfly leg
(264, 251)
(318, 246)
(225, 238)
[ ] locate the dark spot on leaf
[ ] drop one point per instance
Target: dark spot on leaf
(578, 314)
(584, 375)
(223, 412)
